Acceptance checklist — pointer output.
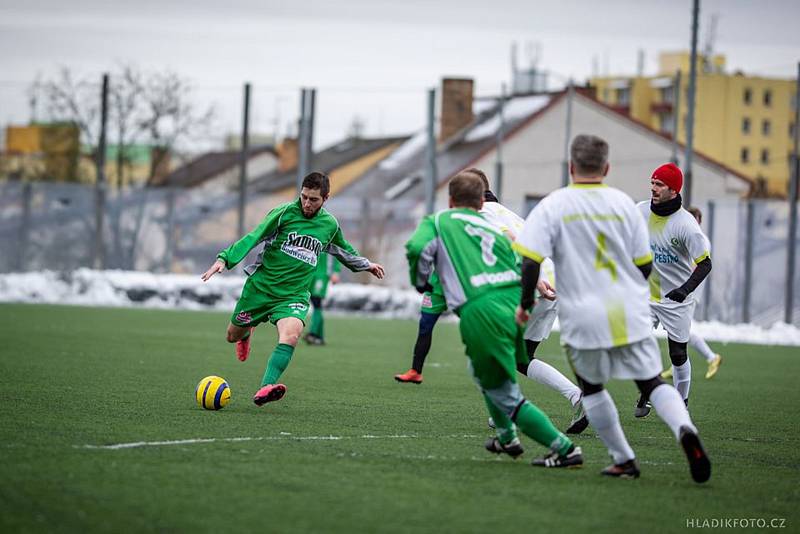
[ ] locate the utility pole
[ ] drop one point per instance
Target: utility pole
(687, 171)
(794, 185)
(243, 157)
(431, 176)
(302, 162)
(498, 164)
(99, 255)
(568, 135)
(676, 114)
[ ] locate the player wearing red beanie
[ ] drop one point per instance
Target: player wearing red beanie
(681, 260)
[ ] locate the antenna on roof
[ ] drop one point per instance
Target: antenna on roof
(708, 48)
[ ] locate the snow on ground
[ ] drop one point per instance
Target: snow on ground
(187, 292)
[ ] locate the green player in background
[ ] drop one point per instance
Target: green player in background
(479, 275)
(327, 272)
(294, 235)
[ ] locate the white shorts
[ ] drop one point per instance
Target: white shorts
(675, 318)
(541, 320)
(636, 361)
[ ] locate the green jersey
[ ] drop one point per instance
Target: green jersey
(471, 256)
(292, 247)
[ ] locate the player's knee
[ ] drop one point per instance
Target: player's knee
(647, 386)
(677, 352)
(587, 387)
(426, 323)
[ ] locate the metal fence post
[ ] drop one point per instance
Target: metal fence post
(793, 192)
(707, 288)
(748, 261)
(24, 228)
(170, 231)
(243, 157)
(498, 164)
(567, 135)
(431, 176)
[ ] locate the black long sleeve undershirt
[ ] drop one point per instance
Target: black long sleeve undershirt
(530, 277)
(698, 275)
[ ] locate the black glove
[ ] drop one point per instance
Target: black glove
(423, 289)
(678, 294)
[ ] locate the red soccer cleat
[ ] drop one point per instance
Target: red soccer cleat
(243, 347)
(410, 377)
(269, 393)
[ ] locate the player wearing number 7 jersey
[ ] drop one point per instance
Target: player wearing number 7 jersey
(479, 275)
(599, 244)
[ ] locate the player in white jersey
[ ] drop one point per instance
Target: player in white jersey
(696, 342)
(538, 328)
(599, 245)
(681, 261)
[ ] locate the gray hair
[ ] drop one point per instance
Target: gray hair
(589, 155)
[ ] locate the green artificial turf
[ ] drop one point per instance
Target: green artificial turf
(348, 449)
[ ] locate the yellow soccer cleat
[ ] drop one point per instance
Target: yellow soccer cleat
(713, 366)
(667, 373)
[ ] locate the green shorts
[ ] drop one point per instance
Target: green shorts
(433, 301)
(256, 306)
(494, 342)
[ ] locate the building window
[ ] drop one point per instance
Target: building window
(745, 125)
(748, 96)
(530, 202)
(766, 127)
(745, 155)
(623, 97)
(767, 97)
(764, 156)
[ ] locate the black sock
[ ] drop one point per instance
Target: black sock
(421, 349)
(531, 346)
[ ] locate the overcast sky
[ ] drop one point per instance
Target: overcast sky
(371, 58)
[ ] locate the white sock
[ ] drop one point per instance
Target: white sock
(670, 408)
(699, 344)
(546, 374)
(604, 418)
(682, 378)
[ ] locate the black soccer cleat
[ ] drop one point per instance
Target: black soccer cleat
(571, 460)
(512, 448)
(642, 408)
(629, 469)
(699, 464)
(579, 420)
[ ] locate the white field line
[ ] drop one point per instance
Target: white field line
(283, 436)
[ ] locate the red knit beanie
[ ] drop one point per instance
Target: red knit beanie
(671, 175)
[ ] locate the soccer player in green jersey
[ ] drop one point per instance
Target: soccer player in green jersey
(479, 276)
(294, 235)
(327, 273)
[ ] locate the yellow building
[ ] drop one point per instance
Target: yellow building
(42, 152)
(741, 121)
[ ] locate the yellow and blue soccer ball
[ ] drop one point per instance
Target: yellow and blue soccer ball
(213, 393)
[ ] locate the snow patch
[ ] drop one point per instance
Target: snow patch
(89, 287)
(514, 109)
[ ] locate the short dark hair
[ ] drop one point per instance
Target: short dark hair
(696, 213)
(466, 190)
(589, 155)
(480, 174)
(318, 180)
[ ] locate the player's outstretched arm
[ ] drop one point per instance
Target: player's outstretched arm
(218, 267)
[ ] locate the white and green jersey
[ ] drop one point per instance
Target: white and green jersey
(471, 256)
(511, 223)
(596, 238)
(678, 245)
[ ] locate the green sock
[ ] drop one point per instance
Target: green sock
(502, 423)
(535, 424)
(317, 323)
(277, 364)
